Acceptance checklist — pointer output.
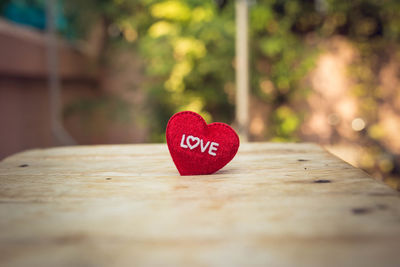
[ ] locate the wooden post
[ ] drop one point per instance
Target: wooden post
(242, 69)
(60, 135)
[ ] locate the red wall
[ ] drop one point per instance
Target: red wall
(24, 97)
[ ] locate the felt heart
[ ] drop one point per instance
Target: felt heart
(197, 148)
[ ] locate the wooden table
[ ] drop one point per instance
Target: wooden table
(126, 205)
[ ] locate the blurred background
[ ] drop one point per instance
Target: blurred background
(114, 71)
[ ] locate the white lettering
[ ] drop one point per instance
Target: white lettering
(192, 142)
(202, 147)
(194, 145)
(212, 148)
(182, 142)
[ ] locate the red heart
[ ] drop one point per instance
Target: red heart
(197, 148)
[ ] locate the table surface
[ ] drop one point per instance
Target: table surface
(126, 205)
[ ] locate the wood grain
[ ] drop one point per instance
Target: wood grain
(126, 205)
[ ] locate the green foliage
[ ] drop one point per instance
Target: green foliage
(188, 49)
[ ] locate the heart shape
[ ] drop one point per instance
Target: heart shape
(190, 137)
(197, 148)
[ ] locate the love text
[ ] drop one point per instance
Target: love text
(192, 142)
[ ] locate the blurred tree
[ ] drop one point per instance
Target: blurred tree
(188, 48)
